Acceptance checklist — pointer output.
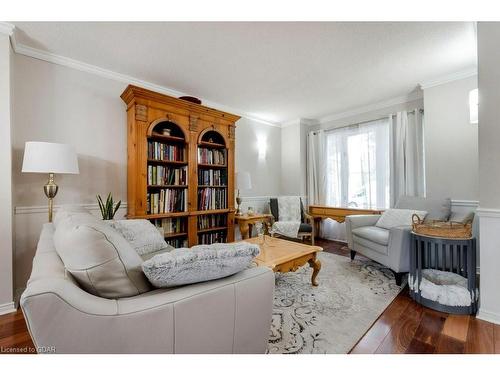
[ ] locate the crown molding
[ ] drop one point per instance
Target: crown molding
(110, 74)
(7, 28)
(449, 78)
(371, 107)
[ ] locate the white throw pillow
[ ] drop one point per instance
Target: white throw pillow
(199, 263)
(141, 234)
(395, 217)
(99, 258)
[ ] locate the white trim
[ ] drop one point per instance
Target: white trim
(371, 107)
(488, 316)
(7, 308)
(449, 78)
(6, 28)
(21, 210)
(488, 212)
(254, 198)
(106, 73)
(464, 203)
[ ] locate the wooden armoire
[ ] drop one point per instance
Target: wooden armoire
(180, 167)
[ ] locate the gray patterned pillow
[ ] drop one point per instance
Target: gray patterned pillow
(141, 234)
(199, 263)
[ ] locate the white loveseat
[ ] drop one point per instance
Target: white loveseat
(229, 315)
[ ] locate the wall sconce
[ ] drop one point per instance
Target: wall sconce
(262, 146)
(474, 106)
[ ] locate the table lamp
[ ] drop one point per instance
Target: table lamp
(242, 182)
(51, 158)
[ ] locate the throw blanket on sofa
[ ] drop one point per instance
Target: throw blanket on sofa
(289, 217)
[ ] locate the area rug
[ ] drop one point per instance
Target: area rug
(332, 317)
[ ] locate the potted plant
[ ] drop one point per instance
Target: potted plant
(108, 209)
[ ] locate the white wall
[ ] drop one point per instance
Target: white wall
(6, 241)
(60, 104)
(258, 151)
(451, 141)
(294, 157)
(488, 35)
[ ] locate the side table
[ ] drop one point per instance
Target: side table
(443, 256)
(247, 222)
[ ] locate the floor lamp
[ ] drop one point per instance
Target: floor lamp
(51, 158)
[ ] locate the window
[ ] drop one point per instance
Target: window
(358, 166)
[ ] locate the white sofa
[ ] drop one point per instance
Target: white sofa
(230, 315)
(391, 247)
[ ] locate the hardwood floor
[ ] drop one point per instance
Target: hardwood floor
(404, 327)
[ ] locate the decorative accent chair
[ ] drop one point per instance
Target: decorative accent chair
(391, 247)
(306, 229)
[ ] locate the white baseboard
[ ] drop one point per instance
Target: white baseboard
(488, 316)
(7, 308)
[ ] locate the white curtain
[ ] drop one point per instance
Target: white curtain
(407, 155)
(316, 179)
(358, 168)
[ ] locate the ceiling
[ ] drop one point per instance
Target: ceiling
(273, 71)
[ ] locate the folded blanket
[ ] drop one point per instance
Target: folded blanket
(289, 217)
(286, 228)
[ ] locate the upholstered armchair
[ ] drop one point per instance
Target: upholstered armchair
(306, 229)
(391, 247)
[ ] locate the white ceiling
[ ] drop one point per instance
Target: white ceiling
(272, 71)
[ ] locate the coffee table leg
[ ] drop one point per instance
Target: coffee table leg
(316, 266)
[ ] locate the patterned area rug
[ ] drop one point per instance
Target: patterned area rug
(333, 316)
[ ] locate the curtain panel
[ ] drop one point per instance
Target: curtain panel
(316, 168)
(407, 155)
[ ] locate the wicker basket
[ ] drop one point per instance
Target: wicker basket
(443, 229)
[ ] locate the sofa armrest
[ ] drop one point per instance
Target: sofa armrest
(229, 315)
(356, 221)
(399, 248)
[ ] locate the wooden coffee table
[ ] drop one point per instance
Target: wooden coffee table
(287, 256)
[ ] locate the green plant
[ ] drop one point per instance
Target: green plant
(108, 209)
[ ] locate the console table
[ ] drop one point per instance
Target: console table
(336, 213)
(246, 223)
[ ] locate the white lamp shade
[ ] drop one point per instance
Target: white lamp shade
(45, 157)
(243, 180)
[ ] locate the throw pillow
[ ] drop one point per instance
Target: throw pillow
(200, 263)
(99, 258)
(462, 217)
(395, 217)
(141, 234)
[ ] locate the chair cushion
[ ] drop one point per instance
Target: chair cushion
(304, 227)
(394, 217)
(199, 263)
(99, 258)
(374, 234)
(437, 209)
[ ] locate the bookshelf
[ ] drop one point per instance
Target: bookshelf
(180, 167)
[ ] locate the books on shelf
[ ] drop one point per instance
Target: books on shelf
(171, 225)
(161, 175)
(212, 221)
(161, 151)
(211, 156)
(212, 198)
(212, 237)
(212, 177)
(177, 242)
(167, 200)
